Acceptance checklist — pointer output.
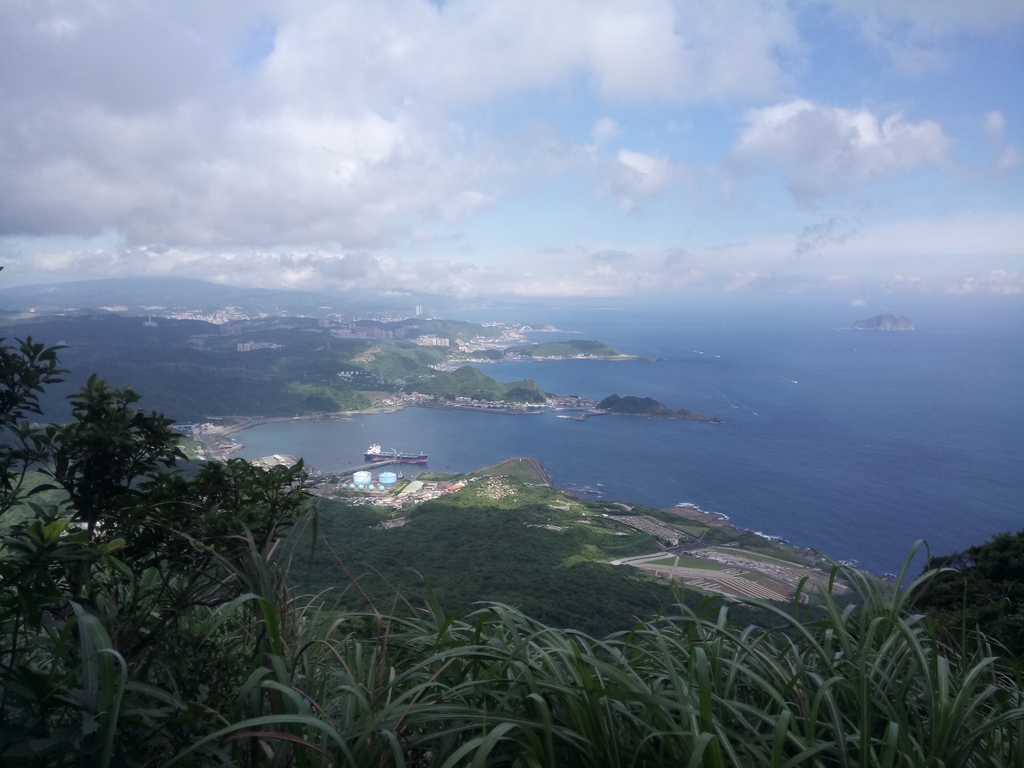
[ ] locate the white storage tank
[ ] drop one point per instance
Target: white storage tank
(387, 478)
(362, 478)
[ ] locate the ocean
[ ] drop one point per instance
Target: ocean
(852, 442)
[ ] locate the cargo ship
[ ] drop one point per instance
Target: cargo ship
(374, 453)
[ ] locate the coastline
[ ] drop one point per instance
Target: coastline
(215, 440)
(207, 435)
(686, 511)
(454, 364)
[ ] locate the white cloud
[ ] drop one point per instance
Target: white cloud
(311, 270)
(611, 256)
(364, 129)
(821, 147)
(858, 303)
(998, 281)
(814, 237)
(158, 122)
(604, 129)
(470, 50)
(1007, 155)
(634, 177)
(995, 125)
(609, 272)
(935, 18)
(1010, 157)
(916, 34)
(464, 204)
(965, 234)
(742, 281)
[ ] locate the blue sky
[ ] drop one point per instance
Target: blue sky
(518, 148)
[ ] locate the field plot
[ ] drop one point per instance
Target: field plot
(728, 581)
(734, 572)
(653, 526)
(687, 562)
(780, 571)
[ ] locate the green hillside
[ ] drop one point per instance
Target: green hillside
(189, 371)
(473, 383)
(631, 405)
(483, 552)
(397, 364)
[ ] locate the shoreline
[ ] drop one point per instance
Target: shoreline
(454, 364)
(208, 438)
(249, 422)
(686, 511)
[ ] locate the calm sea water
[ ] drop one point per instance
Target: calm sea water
(856, 443)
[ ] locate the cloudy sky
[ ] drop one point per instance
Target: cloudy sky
(559, 148)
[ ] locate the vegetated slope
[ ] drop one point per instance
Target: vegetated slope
(192, 380)
(647, 406)
(398, 364)
(572, 348)
(190, 371)
(632, 405)
(519, 549)
(472, 554)
(473, 383)
(984, 590)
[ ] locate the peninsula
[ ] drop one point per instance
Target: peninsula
(574, 349)
(469, 532)
(647, 406)
(884, 323)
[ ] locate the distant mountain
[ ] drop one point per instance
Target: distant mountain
(884, 323)
(138, 294)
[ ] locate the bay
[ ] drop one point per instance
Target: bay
(855, 443)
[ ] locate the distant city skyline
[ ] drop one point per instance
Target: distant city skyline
(851, 148)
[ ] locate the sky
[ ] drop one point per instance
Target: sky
(569, 148)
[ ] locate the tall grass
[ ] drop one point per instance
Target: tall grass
(865, 685)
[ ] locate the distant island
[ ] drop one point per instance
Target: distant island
(574, 349)
(647, 406)
(884, 323)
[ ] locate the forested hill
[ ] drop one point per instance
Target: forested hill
(193, 370)
(632, 405)
(984, 586)
(648, 406)
(473, 383)
(190, 371)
